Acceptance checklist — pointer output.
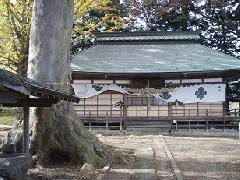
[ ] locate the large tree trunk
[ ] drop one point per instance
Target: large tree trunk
(56, 132)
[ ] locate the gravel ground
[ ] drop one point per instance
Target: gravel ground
(206, 157)
(197, 157)
(61, 172)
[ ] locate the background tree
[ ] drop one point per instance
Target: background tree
(89, 16)
(95, 16)
(158, 15)
(234, 91)
(219, 20)
(14, 34)
(223, 25)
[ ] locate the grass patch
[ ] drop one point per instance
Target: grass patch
(9, 115)
(6, 120)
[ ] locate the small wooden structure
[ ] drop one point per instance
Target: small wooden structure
(19, 91)
(153, 61)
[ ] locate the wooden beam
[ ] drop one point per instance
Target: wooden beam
(162, 75)
(31, 102)
(7, 99)
(11, 97)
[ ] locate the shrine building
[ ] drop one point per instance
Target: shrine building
(155, 80)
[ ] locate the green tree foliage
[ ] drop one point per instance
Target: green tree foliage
(14, 34)
(161, 15)
(233, 93)
(223, 25)
(218, 19)
(96, 16)
(104, 15)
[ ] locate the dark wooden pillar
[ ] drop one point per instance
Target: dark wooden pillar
(170, 110)
(197, 109)
(26, 130)
(121, 119)
(111, 105)
(226, 104)
(125, 101)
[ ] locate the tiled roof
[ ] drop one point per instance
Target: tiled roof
(161, 57)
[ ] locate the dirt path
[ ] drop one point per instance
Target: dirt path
(150, 163)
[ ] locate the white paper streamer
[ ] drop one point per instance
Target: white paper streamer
(89, 90)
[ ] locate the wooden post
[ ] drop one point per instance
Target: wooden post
(148, 96)
(148, 109)
(226, 112)
(106, 120)
(121, 120)
(97, 105)
(125, 112)
(89, 126)
(121, 128)
(111, 104)
(207, 125)
(26, 130)
(107, 125)
(224, 125)
(170, 110)
(197, 109)
(189, 126)
(84, 107)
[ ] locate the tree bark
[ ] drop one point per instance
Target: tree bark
(56, 133)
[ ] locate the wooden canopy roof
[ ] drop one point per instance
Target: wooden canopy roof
(16, 90)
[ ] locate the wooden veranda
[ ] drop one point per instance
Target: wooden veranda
(170, 116)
